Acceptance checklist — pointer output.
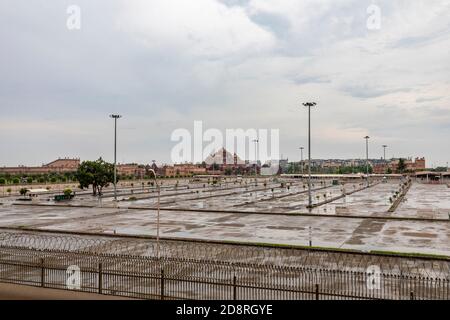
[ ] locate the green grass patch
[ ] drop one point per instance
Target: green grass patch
(411, 254)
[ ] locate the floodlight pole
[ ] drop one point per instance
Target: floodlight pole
(115, 117)
(157, 216)
(309, 105)
(367, 158)
(256, 159)
(301, 158)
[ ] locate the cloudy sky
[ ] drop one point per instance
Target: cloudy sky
(229, 63)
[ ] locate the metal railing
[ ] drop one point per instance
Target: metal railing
(174, 278)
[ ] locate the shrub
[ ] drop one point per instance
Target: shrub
(2, 181)
(67, 192)
(23, 191)
(16, 180)
(29, 180)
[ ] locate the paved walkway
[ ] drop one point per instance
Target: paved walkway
(21, 292)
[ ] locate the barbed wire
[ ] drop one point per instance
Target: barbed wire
(223, 253)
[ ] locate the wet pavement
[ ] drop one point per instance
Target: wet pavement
(276, 201)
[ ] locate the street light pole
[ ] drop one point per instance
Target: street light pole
(309, 105)
(256, 156)
(157, 216)
(384, 152)
(367, 158)
(115, 117)
(301, 158)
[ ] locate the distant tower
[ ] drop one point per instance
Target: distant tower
(224, 156)
(235, 159)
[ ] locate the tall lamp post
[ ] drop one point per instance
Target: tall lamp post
(309, 105)
(256, 157)
(157, 216)
(384, 157)
(115, 117)
(367, 158)
(301, 158)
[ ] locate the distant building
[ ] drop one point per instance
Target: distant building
(60, 165)
(167, 171)
(418, 164)
(131, 169)
(223, 161)
(223, 157)
(182, 170)
(189, 169)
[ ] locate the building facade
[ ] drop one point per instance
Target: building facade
(60, 165)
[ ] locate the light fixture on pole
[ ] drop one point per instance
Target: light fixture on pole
(115, 117)
(157, 216)
(309, 105)
(367, 158)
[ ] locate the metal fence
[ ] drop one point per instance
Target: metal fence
(173, 278)
(224, 253)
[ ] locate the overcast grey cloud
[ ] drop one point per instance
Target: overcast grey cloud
(230, 63)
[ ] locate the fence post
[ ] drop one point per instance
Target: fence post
(162, 283)
(234, 288)
(42, 273)
(411, 295)
(317, 292)
(100, 278)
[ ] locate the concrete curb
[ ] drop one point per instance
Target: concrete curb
(204, 211)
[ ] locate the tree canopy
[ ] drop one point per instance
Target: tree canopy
(401, 167)
(98, 174)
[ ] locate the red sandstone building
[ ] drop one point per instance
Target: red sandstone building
(131, 169)
(418, 164)
(57, 166)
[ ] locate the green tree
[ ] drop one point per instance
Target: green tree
(401, 166)
(23, 191)
(2, 181)
(98, 174)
